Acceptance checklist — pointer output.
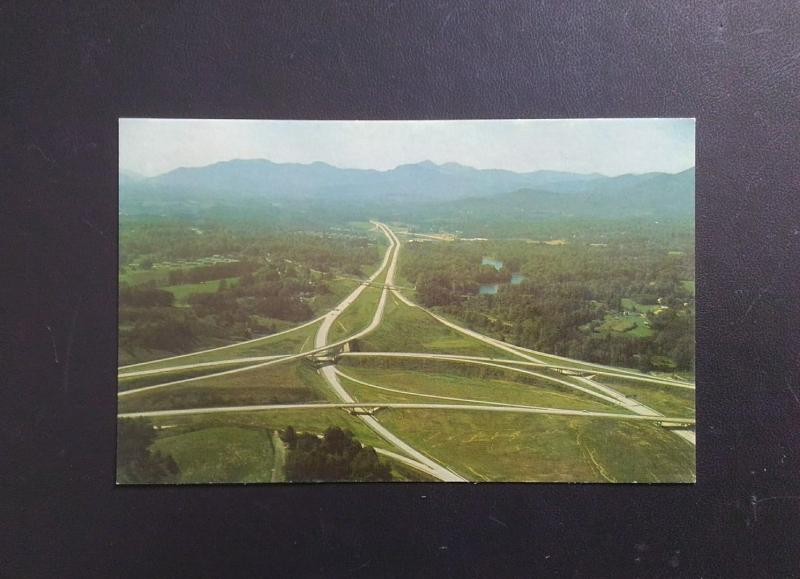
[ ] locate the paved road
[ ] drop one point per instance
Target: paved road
(432, 396)
(328, 373)
(543, 365)
(363, 406)
(198, 365)
(254, 340)
(405, 460)
(517, 350)
(321, 337)
(637, 407)
(326, 319)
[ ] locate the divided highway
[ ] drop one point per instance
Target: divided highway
(413, 457)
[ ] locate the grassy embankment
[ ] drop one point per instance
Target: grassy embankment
(509, 447)
(291, 343)
(408, 329)
(668, 400)
(223, 454)
(359, 314)
(292, 382)
(455, 380)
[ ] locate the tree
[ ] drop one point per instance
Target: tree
(289, 436)
(337, 456)
(136, 462)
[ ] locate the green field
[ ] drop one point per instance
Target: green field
(669, 400)
(357, 316)
(634, 306)
(141, 276)
(510, 447)
(408, 329)
(239, 448)
(470, 382)
(633, 326)
(291, 343)
(223, 454)
(281, 384)
(315, 421)
(183, 291)
(340, 288)
(688, 285)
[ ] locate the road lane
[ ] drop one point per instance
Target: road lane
(638, 407)
(328, 373)
(254, 340)
(543, 365)
(364, 406)
(321, 337)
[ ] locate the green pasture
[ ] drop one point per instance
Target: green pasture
(288, 383)
(465, 381)
(668, 400)
(408, 329)
(224, 454)
(290, 343)
(485, 446)
(183, 291)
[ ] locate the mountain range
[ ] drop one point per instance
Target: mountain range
(442, 187)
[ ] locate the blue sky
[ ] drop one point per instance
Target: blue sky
(608, 146)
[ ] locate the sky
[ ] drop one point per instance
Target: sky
(608, 146)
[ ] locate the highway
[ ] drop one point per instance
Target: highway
(366, 406)
(328, 373)
(198, 365)
(543, 365)
(419, 394)
(327, 321)
(362, 410)
(253, 341)
(407, 461)
(638, 408)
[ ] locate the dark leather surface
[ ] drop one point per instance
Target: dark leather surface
(70, 72)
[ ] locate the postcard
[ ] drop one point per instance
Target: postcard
(376, 301)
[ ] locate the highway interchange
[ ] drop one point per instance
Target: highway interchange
(573, 374)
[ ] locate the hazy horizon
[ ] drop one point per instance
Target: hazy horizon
(610, 147)
(130, 172)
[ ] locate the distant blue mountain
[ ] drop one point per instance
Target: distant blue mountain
(419, 183)
(423, 181)
(649, 194)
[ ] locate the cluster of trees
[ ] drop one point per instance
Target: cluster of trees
(146, 296)
(137, 463)
(566, 287)
(337, 456)
(162, 329)
(210, 272)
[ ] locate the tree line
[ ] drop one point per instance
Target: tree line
(336, 456)
(567, 290)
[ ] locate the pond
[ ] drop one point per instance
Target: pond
(492, 288)
(495, 263)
